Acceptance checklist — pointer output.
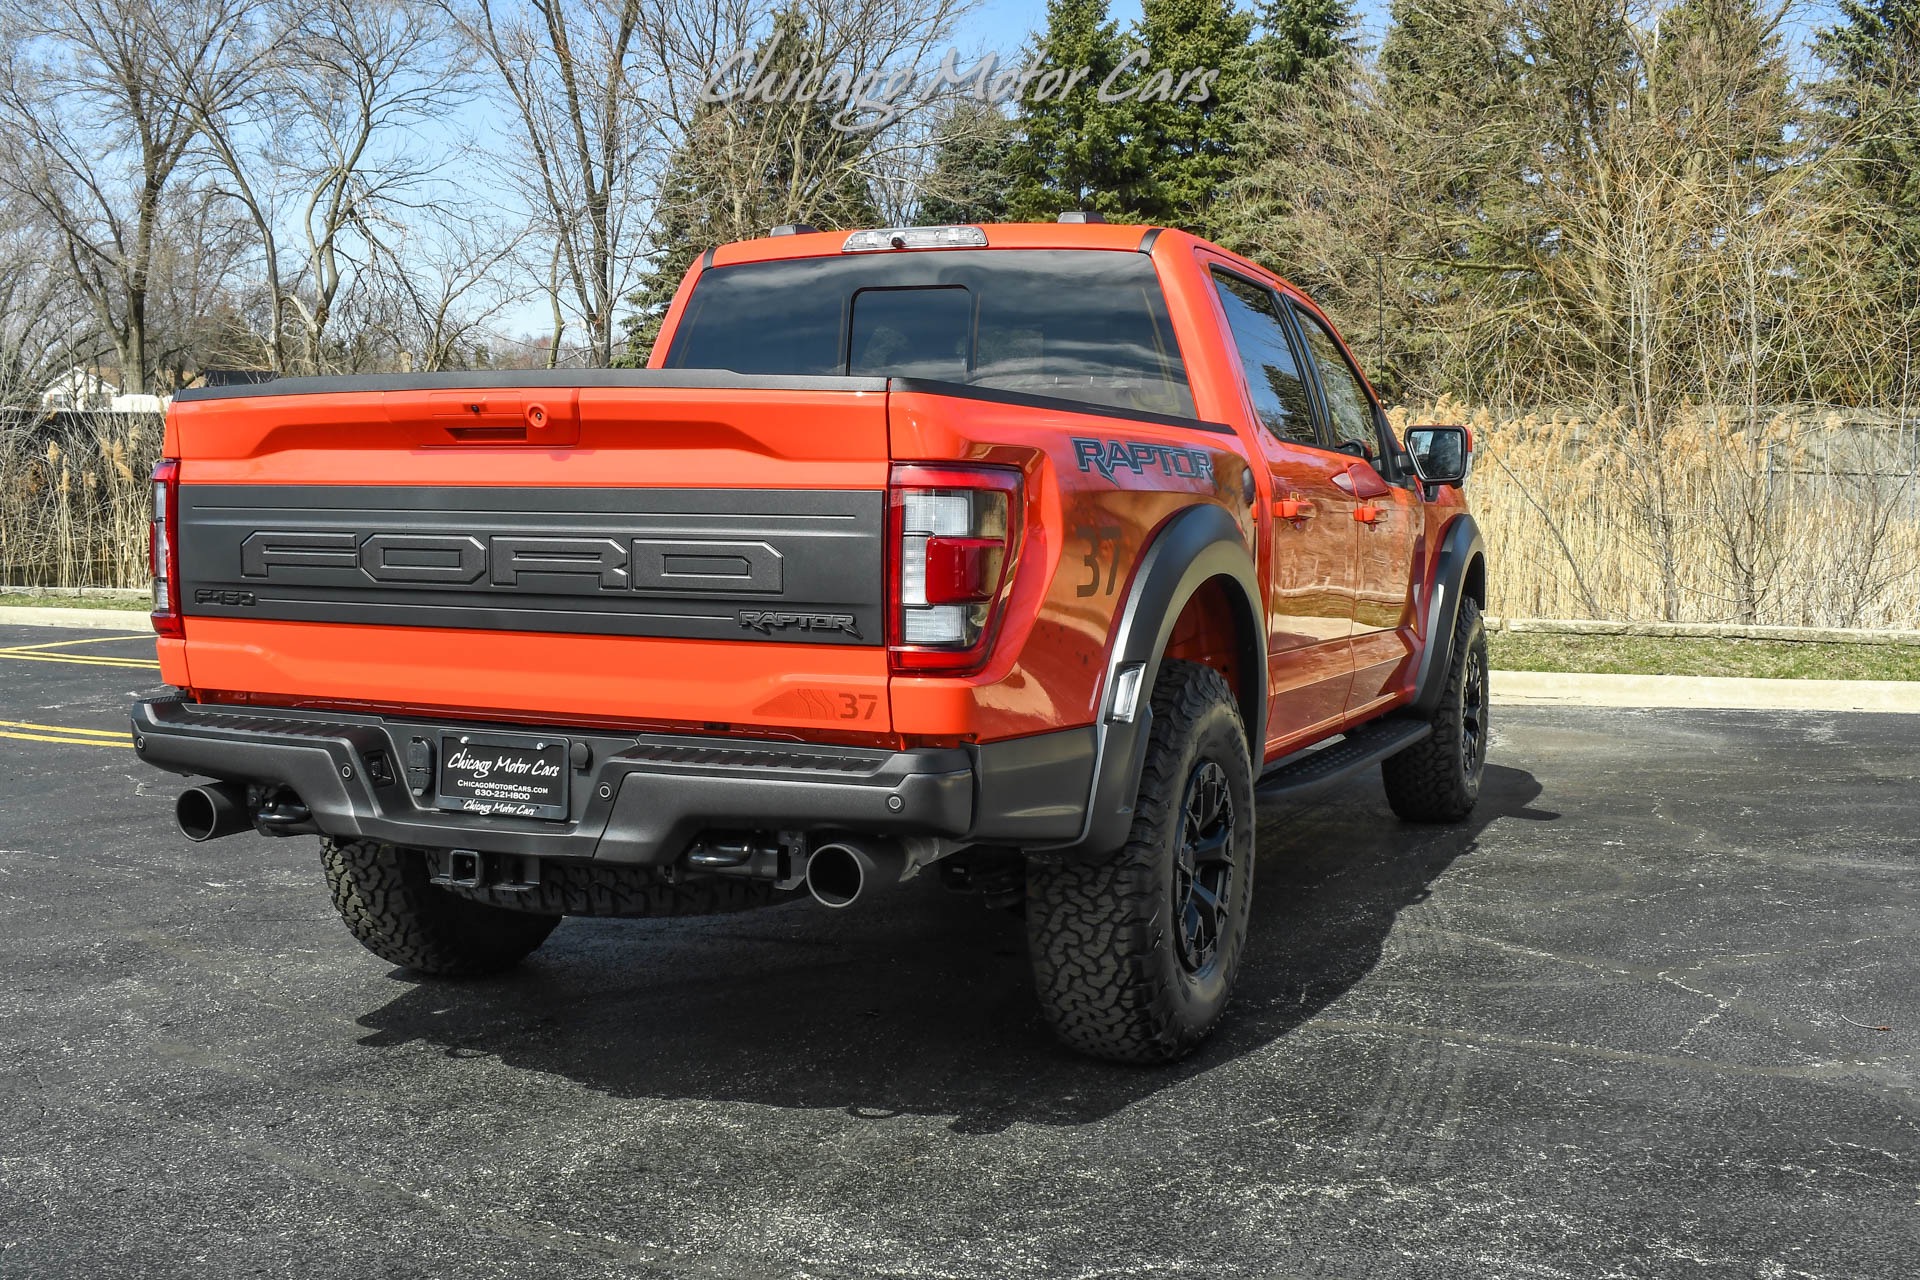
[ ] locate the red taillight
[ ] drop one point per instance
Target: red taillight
(952, 534)
(163, 548)
(963, 570)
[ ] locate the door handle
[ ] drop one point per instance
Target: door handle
(1368, 514)
(1293, 509)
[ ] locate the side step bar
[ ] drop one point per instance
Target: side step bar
(1367, 745)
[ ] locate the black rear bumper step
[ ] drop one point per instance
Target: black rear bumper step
(1367, 745)
(636, 798)
(643, 798)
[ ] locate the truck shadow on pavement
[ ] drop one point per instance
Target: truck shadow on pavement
(922, 1005)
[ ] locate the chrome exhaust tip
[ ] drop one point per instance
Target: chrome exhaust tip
(841, 872)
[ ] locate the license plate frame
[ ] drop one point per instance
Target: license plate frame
(503, 775)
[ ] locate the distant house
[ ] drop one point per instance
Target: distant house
(80, 388)
(137, 403)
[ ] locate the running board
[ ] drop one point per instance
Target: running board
(1367, 745)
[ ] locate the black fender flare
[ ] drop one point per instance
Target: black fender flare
(1197, 545)
(1460, 546)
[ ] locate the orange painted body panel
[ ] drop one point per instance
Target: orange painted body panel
(627, 438)
(1082, 538)
(838, 689)
(1341, 597)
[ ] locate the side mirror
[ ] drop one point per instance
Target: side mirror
(1441, 455)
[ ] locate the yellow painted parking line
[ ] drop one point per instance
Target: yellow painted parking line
(61, 644)
(72, 742)
(63, 728)
(80, 661)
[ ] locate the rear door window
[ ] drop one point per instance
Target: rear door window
(1267, 358)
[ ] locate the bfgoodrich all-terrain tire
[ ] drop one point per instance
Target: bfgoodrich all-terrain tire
(1438, 778)
(383, 894)
(1134, 956)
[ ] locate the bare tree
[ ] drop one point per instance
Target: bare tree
(91, 92)
(45, 328)
(447, 282)
(565, 70)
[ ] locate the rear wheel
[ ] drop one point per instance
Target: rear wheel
(1438, 778)
(1134, 956)
(389, 904)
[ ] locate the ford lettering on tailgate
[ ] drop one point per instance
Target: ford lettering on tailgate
(793, 566)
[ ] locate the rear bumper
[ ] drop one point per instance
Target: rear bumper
(633, 799)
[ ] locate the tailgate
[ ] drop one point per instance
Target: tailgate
(660, 549)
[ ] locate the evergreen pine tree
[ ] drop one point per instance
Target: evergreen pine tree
(1075, 151)
(971, 179)
(1299, 36)
(1187, 128)
(1870, 105)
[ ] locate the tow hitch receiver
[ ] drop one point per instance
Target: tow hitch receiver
(471, 869)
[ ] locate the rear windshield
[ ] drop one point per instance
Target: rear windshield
(1073, 324)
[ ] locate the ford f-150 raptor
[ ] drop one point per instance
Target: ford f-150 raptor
(1026, 556)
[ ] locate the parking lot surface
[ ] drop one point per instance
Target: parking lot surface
(1653, 1013)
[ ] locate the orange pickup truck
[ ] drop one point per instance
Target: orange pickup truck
(1024, 556)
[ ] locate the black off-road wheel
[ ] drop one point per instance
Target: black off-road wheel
(388, 903)
(1438, 778)
(1134, 956)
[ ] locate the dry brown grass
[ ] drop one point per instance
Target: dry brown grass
(74, 499)
(1806, 518)
(1798, 518)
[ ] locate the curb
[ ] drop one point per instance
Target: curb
(22, 615)
(1699, 631)
(1572, 689)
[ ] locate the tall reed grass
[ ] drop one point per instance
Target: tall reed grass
(74, 498)
(1796, 517)
(1787, 517)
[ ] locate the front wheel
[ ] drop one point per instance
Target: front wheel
(1134, 956)
(1438, 778)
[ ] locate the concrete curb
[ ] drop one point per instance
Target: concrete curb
(1699, 631)
(20, 615)
(1573, 689)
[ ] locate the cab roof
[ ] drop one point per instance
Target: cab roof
(1121, 236)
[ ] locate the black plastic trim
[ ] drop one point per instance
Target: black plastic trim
(970, 391)
(1460, 546)
(634, 379)
(1197, 545)
(1146, 241)
(1033, 789)
(646, 799)
(753, 565)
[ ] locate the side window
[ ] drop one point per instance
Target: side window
(1349, 411)
(1273, 373)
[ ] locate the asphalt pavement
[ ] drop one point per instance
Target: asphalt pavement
(1654, 1013)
